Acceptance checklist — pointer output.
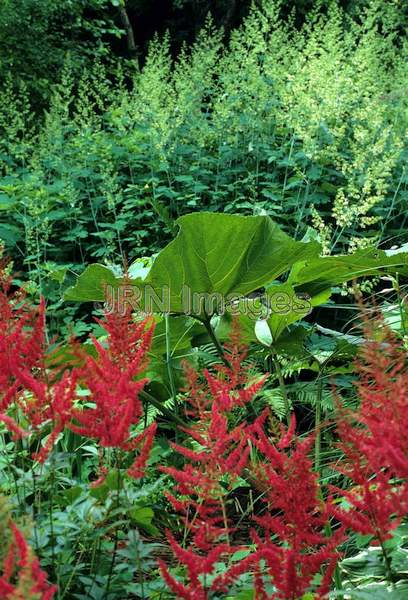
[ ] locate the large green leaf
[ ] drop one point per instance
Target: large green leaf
(229, 255)
(266, 318)
(91, 284)
(320, 273)
(221, 256)
(225, 254)
(287, 306)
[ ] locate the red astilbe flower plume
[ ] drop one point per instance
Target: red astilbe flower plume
(21, 577)
(374, 439)
(228, 386)
(143, 442)
(22, 344)
(48, 402)
(110, 378)
(197, 565)
(43, 395)
(383, 391)
(220, 455)
(231, 386)
(292, 543)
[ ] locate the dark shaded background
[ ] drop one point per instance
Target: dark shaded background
(37, 35)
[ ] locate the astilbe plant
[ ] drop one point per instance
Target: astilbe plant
(112, 379)
(22, 341)
(221, 454)
(291, 540)
(38, 395)
(21, 577)
(374, 440)
(383, 391)
(47, 394)
(48, 402)
(290, 544)
(43, 395)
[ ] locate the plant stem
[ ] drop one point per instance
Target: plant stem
(12, 474)
(33, 475)
(392, 204)
(139, 568)
(337, 574)
(72, 575)
(207, 324)
(165, 411)
(224, 516)
(51, 511)
(116, 540)
(337, 578)
(318, 419)
(387, 562)
(169, 365)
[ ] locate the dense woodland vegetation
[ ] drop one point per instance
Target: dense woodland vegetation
(203, 315)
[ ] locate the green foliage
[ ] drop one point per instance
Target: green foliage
(275, 161)
(308, 127)
(225, 255)
(217, 260)
(365, 570)
(37, 35)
